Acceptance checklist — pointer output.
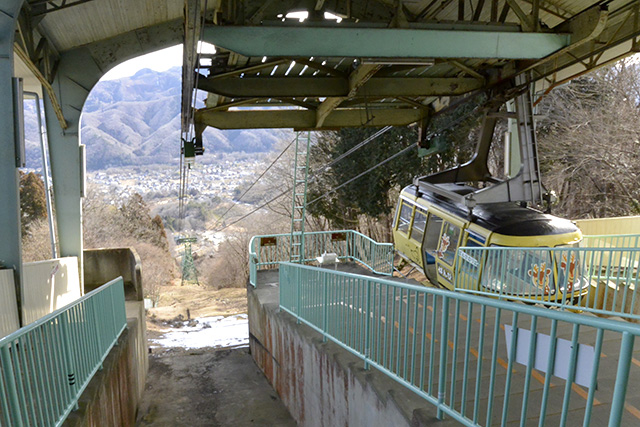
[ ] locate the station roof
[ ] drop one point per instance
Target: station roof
(349, 63)
(394, 62)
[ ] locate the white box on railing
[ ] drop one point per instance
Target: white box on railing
(47, 286)
(8, 308)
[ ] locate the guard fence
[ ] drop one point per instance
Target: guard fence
(45, 366)
(266, 252)
(478, 360)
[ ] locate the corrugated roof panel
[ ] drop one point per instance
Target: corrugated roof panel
(103, 19)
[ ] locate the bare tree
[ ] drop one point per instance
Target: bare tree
(590, 141)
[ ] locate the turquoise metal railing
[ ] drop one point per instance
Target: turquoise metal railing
(481, 361)
(45, 366)
(599, 280)
(267, 251)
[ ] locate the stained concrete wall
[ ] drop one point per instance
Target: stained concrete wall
(112, 396)
(320, 383)
(105, 264)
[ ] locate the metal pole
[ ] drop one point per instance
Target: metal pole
(45, 173)
(622, 378)
(443, 356)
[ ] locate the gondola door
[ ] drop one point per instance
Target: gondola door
(441, 240)
(430, 247)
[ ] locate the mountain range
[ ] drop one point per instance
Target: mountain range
(136, 121)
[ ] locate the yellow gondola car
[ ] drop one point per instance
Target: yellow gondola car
(429, 228)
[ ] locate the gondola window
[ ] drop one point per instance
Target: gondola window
(449, 243)
(419, 222)
(404, 220)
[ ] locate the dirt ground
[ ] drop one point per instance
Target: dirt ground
(209, 387)
(191, 301)
(206, 386)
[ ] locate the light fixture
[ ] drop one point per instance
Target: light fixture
(424, 62)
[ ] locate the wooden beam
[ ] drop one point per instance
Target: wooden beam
(317, 87)
(305, 119)
(45, 84)
(357, 78)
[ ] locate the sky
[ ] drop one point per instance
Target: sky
(160, 60)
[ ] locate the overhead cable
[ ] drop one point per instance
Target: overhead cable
(254, 183)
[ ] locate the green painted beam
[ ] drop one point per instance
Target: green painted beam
(301, 119)
(75, 77)
(10, 235)
(382, 42)
(274, 87)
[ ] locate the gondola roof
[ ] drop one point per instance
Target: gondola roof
(509, 219)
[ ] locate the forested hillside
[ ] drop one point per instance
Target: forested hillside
(136, 120)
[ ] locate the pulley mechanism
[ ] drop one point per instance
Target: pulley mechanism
(192, 148)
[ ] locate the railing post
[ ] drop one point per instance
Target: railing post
(325, 317)
(68, 356)
(367, 326)
(622, 379)
(374, 266)
(442, 377)
(10, 381)
(297, 270)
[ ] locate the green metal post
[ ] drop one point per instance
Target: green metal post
(622, 378)
(367, 325)
(11, 247)
(325, 307)
(442, 387)
(299, 196)
(14, 402)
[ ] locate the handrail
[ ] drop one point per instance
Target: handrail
(445, 346)
(266, 251)
(600, 280)
(46, 365)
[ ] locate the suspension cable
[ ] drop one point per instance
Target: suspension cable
(235, 202)
(310, 179)
(324, 195)
(388, 159)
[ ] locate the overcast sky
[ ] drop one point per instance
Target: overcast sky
(160, 60)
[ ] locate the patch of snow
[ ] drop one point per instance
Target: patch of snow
(218, 331)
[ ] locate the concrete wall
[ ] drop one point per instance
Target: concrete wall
(112, 396)
(9, 320)
(104, 265)
(619, 225)
(320, 383)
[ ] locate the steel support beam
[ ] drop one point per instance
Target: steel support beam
(10, 243)
(383, 42)
(357, 78)
(301, 119)
(287, 87)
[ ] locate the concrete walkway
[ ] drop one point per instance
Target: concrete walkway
(209, 387)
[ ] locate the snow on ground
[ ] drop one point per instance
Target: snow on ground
(218, 331)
